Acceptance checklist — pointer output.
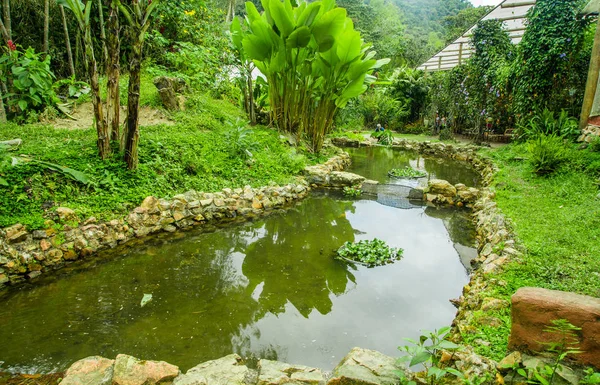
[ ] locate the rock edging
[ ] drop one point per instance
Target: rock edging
(25, 255)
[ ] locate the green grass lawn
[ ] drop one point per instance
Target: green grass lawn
(210, 147)
(557, 219)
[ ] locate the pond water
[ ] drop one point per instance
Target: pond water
(268, 288)
(375, 162)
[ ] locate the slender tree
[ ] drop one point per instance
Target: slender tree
(7, 19)
(138, 18)
(46, 25)
(82, 12)
(230, 11)
(68, 40)
(112, 74)
(102, 31)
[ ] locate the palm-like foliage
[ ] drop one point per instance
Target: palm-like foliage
(314, 61)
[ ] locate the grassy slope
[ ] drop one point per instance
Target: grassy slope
(202, 152)
(557, 219)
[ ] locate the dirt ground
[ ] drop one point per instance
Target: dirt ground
(84, 118)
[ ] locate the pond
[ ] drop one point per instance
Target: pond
(268, 288)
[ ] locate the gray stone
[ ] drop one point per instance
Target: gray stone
(65, 213)
(275, 373)
(228, 370)
(129, 370)
(342, 178)
(90, 371)
(365, 367)
(39, 234)
(442, 187)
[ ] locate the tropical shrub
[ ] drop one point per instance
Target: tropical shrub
(370, 253)
(414, 128)
(410, 88)
(29, 79)
(314, 61)
(383, 137)
(446, 134)
(546, 123)
(378, 107)
(546, 153)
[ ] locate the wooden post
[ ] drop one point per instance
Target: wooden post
(440, 63)
(46, 47)
(460, 50)
(592, 81)
(68, 40)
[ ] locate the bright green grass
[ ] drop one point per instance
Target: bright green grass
(557, 220)
(195, 153)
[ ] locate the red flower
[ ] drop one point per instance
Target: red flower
(11, 45)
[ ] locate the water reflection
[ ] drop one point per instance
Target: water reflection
(269, 288)
(375, 162)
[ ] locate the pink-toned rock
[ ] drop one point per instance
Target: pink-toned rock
(131, 371)
(90, 371)
(534, 309)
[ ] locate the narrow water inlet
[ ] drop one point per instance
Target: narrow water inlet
(268, 288)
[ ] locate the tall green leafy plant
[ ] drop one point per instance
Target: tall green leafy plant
(138, 18)
(29, 79)
(314, 61)
(82, 12)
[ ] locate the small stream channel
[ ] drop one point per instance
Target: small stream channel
(268, 288)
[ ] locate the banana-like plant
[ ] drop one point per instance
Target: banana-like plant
(138, 18)
(82, 12)
(314, 61)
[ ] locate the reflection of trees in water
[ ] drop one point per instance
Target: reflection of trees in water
(452, 171)
(202, 288)
(294, 258)
(458, 223)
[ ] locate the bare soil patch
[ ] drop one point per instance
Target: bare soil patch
(84, 118)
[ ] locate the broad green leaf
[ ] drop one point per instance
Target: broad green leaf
(267, 7)
(329, 26)
(252, 12)
(348, 46)
(283, 20)
(22, 104)
(380, 63)
(307, 17)
(360, 68)
(3, 182)
(77, 175)
(299, 38)
(436, 372)
(256, 48)
(419, 358)
(326, 43)
(237, 35)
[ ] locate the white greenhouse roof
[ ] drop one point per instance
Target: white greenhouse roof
(514, 15)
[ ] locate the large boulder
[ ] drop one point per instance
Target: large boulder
(131, 371)
(534, 309)
(228, 370)
(342, 179)
(90, 371)
(441, 187)
(365, 367)
(276, 373)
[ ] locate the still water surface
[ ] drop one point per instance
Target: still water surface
(268, 288)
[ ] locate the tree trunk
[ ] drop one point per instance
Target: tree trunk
(103, 32)
(592, 81)
(112, 75)
(2, 110)
(7, 19)
(68, 40)
(230, 11)
(101, 126)
(46, 25)
(251, 110)
(133, 105)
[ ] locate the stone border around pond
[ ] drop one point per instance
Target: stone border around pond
(26, 255)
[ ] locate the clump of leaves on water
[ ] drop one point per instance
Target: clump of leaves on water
(370, 253)
(383, 137)
(406, 172)
(352, 192)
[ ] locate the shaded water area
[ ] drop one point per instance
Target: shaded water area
(375, 163)
(268, 288)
